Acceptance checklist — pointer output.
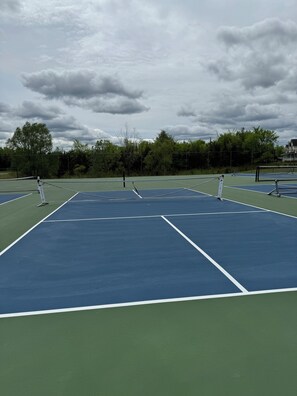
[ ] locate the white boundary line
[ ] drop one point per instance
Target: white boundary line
(32, 228)
(147, 302)
(256, 191)
(247, 189)
(220, 268)
(258, 207)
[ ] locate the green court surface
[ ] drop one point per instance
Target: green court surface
(230, 346)
(243, 345)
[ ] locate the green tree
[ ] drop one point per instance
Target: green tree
(79, 158)
(5, 158)
(132, 156)
(106, 159)
(31, 145)
(261, 144)
(159, 160)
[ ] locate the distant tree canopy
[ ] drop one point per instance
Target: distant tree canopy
(32, 145)
(29, 151)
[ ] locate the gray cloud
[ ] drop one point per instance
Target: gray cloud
(274, 31)
(83, 84)
(258, 56)
(186, 111)
(10, 6)
(63, 124)
(109, 104)
(238, 111)
(63, 127)
(31, 110)
(86, 89)
(259, 69)
(4, 108)
(190, 132)
(117, 106)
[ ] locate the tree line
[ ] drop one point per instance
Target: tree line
(30, 152)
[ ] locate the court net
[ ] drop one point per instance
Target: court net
(22, 185)
(12, 189)
(135, 188)
(271, 173)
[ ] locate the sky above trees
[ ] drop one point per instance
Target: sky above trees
(106, 69)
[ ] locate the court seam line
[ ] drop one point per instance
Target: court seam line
(35, 225)
(145, 302)
(200, 250)
(154, 216)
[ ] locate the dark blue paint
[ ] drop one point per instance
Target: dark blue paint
(145, 207)
(258, 249)
(60, 265)
(82, 263)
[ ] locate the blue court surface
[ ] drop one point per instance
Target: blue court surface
(129, 248)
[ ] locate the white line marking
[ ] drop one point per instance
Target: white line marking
(32, 228)
(260, 192)
(230, 277)
(147, 302)
(258, 207)
(135, 192)
(155, 216)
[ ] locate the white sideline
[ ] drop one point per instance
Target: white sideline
(32, 228)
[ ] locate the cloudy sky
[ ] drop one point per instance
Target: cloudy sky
(106, 69)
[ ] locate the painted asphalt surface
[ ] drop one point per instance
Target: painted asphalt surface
(9, 197)
(121, 251)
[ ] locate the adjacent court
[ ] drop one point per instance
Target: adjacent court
(5, 198)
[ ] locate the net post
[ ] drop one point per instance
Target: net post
(41, 192)
(277, 188)
(124, 180)
(220, 189)
(257, 174)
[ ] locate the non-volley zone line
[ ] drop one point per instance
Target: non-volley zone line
(155, 216)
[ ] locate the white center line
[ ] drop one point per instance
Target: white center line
(220, 268)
